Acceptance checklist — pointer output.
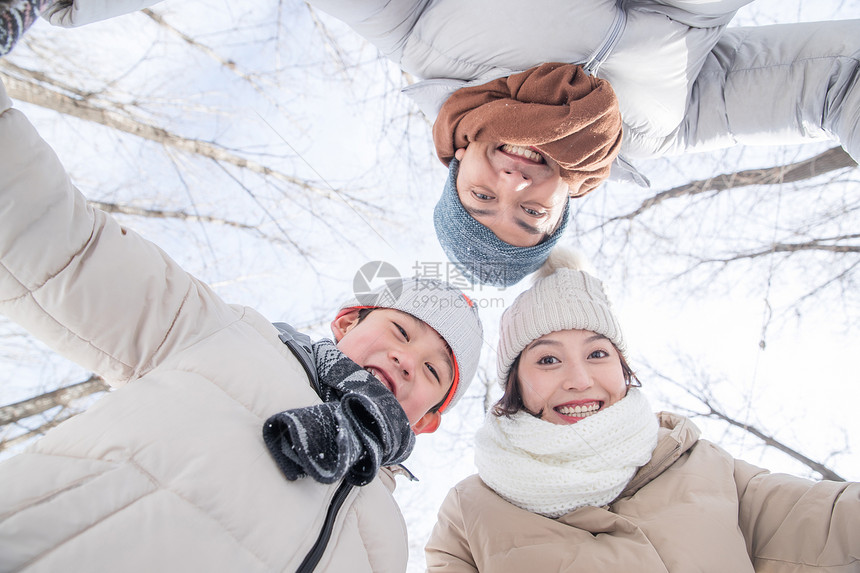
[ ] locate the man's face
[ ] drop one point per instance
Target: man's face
(514, 191)
(402, 352)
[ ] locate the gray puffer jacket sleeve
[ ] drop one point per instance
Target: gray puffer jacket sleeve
(386, 24)
(72, 13)
(685, 81)
(783, 84)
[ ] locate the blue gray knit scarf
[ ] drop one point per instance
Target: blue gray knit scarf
(359, 427)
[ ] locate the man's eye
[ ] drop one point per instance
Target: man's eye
(402, 331)
(533, 212)
(482, 196)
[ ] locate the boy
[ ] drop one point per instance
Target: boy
(197, 462)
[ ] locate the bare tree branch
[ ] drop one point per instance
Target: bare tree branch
(158, 19)
(259, 86)
(825, 472)
(705, 397)
(830, 160)
(331, 45)
(487, 381)
(61, 417)
(14, 413)
(813, 245)
(47, 96)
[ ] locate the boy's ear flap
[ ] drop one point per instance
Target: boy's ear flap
(344, 322)
(428, 423)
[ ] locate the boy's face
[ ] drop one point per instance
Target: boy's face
(514, 191)
(404, 353)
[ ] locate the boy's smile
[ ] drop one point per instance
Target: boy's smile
(386, 379)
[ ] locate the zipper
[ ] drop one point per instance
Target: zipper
(301, 347)
(315, 554)
(294, 341)
(615, 30)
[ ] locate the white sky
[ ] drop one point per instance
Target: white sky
(801, 385)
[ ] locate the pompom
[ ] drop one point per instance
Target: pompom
(564, 258)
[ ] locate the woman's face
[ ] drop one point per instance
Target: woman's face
(570, 375)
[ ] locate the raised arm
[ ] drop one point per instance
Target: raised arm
(96, 292)
(72, 13)
(788, 521)
(384, 23)
(774, 85)
(697, 13)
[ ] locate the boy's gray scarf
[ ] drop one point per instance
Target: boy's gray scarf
(359, 428)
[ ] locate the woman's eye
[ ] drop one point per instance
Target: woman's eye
(598, 354)
(546, 360)
(402, 332)
(481, 196)
(533, 212)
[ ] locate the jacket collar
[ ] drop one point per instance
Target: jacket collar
(677, 435)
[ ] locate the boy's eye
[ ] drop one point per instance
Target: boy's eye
(546, 360)
(402, 332)
(433, 372)
(533, 212)
(481, 196)
(598, 354)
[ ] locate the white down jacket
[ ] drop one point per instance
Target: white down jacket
(685, 82)
(169, 472)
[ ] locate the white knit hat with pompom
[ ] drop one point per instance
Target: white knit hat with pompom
(564, 297)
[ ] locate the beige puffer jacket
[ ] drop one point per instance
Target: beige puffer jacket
(691, 508)
(169, 472)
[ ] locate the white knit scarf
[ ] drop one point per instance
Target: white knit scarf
(554, 469)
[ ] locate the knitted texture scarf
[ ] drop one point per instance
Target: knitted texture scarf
(557, 108)
(552, 469)
(359, 428)
(15, 17)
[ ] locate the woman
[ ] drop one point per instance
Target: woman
(574, 470)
